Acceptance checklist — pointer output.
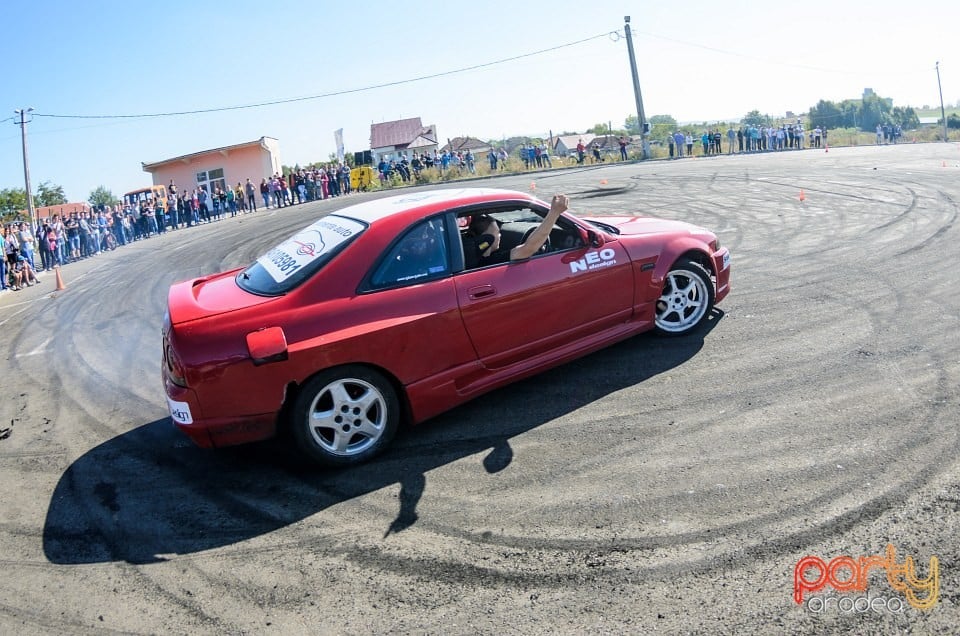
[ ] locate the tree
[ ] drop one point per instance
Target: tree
(49, 194)
(826, 114)
(102, 196)
(754, 118)
(875, 111)
(906, 118)
(632, 124)
(953, 121)
(665, 120)
(12, 202)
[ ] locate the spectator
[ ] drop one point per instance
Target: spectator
(545, 154)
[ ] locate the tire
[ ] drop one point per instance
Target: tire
(685, 300)
(345, 416)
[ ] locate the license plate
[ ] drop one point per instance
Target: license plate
(726, 260)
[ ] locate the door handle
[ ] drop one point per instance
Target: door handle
(481, 291)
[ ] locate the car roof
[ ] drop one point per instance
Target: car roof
(429, 201)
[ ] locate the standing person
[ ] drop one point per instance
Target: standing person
(173, 210)
(325, 183)
(231, 203)
(73, 236)
(622, 142)
(731, 135)
(43, 243)
(27, 241)
(670, 141)
(545, 153)
(265, 192)
(492, 158)
(251, 196)
(581, 151)
(678, 138)
(689, 140)
(240, 198)
(203, 198)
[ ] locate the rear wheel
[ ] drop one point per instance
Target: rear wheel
(685, 300)
(345, 415)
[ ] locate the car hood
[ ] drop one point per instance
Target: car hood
(209, 296)
(632, 225)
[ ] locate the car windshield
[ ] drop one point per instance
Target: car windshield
(300, 256)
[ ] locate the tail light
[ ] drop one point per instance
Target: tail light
(173, 366)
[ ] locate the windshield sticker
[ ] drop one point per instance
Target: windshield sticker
(308, 245)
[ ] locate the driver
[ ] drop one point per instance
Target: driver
(487, 231)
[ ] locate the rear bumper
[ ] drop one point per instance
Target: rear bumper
(211, 432)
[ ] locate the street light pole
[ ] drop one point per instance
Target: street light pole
(641, 118)
(26, 164)
(943, 112)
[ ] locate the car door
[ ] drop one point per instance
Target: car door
(514, 311)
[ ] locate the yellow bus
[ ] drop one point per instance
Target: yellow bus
(150, 193)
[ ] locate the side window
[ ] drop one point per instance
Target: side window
(420, 255)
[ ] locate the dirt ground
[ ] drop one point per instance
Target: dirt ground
(659, 486)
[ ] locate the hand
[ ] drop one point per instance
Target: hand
(559, 204)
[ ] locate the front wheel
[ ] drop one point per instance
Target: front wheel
(685, 300)
(345, 415)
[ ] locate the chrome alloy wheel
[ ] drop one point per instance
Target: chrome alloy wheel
(684, 301)
(347, 417)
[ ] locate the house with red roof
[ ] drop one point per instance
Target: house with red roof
(391, 139)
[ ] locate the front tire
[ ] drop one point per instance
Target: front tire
(685, 300)
(345, 416)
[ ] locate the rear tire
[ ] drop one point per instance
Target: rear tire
(685, 300)
(345, 415)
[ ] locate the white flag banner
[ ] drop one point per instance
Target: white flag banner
(338, 139)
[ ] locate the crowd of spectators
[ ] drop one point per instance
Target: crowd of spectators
(745, 139)
(72, 237)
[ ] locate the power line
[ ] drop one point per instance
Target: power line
(769, 61)
(291, 100)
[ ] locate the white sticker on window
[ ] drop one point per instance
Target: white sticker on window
(308, 245)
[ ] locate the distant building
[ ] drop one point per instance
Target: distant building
(929, 121)
(567, 144)
(868, 92)
(209, 169)
(388, 140)
(462, 144)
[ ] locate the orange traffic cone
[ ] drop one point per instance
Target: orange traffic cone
(533, 186)
(60, 285)
(603, 182)
(944, 165)
(826, 147)
(802, 197)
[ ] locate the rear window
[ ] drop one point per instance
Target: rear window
(300, 256)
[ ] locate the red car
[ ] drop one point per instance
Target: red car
(382, 312)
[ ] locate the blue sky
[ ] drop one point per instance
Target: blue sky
(698, 61)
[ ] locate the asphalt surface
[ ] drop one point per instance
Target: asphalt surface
(661, 485)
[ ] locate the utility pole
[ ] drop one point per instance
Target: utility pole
(943, 112)
(641, 118)
(26, 164)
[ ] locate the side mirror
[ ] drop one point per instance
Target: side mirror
(591, 238)
(267, 345)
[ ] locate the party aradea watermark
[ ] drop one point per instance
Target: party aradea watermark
(845, 574)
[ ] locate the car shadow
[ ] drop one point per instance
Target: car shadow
(150, 493)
